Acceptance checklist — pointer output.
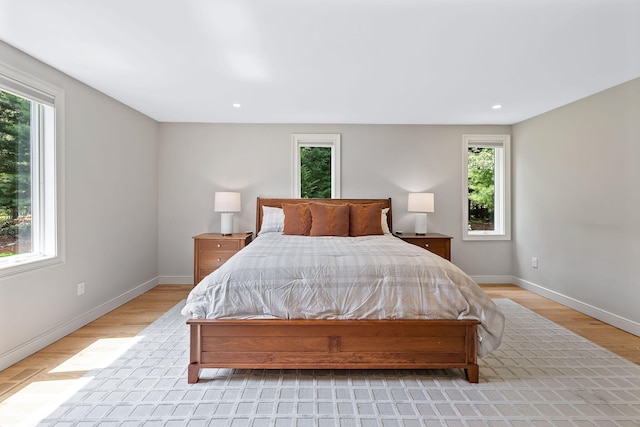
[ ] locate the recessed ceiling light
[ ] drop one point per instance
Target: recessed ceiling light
(236, 105)
(497, 106)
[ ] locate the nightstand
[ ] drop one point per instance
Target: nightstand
(211, 250)
(437, 243)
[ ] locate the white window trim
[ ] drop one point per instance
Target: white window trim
(331, 140)
(502, 183)
(50, 175)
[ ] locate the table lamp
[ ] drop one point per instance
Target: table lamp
(227, 202)
(421, 203)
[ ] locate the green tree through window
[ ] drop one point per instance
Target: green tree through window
(15, 174)
(481, 187)
(315, 172)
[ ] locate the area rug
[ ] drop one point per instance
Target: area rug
(542, 375)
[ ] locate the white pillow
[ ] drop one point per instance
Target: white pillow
(385, 223)
(272, 220)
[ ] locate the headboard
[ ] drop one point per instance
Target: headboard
(277, 203)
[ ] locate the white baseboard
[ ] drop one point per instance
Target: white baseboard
(38, 343)
(595, 312)
(493, 279)
(175, 280)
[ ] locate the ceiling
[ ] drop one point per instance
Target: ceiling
(334, 61)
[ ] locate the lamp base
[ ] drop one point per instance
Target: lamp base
(226, 223)
(421, 224)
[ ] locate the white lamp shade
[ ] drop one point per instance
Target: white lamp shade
(420, 202)
(227, 201)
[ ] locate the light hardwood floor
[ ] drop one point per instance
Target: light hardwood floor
(37, 383)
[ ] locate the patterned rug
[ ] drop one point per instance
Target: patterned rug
(542, 375)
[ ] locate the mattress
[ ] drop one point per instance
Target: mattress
(370, 277)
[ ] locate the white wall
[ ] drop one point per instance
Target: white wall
(577, 204)
(111, 221)
(196, 160)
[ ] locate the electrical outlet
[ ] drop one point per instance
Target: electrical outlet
(80, 288)
(534, 262)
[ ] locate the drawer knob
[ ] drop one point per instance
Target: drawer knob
(219, 245)
(219, 259)
(426, 245)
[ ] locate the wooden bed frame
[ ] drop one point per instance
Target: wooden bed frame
(332, 344)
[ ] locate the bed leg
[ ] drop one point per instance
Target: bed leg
(472, 373)
(193, 373)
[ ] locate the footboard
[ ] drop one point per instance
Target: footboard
(333, 344)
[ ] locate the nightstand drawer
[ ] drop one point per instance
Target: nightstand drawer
(437, 246)
(211, 263)
(219, 245)
(436, 243)
(213, 260)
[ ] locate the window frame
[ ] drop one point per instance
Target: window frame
(331, 140)
(47, 166)
(502, 206)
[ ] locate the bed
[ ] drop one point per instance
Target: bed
(259, 310)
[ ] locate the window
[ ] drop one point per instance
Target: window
(486, 187)
(316, 166)
(30, 114)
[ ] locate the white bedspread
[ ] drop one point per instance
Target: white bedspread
(370, 277)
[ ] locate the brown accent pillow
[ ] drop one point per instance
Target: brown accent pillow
(329, 220)
(365, 219)
(297, 219)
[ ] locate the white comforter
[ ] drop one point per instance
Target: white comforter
(370, 277)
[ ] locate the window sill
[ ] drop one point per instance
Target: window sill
(486, 236)
(21, 264)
